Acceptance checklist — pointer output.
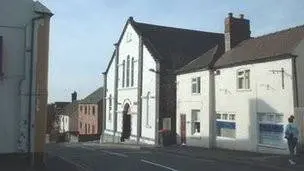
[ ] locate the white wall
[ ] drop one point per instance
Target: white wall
(265, 95)
(129, 94)
(14, 84)
(128, 47)
(64, 125)
(149, 85)
(110, 91)
(186, 101)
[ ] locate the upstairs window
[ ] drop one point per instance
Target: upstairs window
(128, 71)
(132, 72)
(1, 56)
(243, 79)
(85, 110)
(93, 110)
(196, 85)
(123, 72)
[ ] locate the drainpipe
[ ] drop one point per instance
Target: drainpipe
(31, 82)
(139, 88)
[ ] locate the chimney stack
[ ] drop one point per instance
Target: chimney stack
(236, 30)
(74, 96)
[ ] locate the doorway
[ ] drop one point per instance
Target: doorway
(126, 123)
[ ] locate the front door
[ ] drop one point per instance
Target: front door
(126, 123)
(183, 128)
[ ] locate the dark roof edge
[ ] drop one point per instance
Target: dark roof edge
(266, 59)
(110, 62)
(203, 68)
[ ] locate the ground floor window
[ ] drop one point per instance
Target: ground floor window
(196, 124)
(225, 125)
(271, 129)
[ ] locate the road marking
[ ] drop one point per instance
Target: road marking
(113, 153)
(159, 165)
(105, 151)
(78, 165)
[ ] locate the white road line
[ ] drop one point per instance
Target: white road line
(82, 166)
(159, 165)
(113, 153)
(105, 151)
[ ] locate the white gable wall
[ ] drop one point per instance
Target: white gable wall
(149, 85)
(128, 47)
(110, 91)
(265, 95)
(186, 102)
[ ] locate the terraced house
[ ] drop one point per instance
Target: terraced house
(243, 99)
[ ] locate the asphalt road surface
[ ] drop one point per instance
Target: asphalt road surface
(96, 158)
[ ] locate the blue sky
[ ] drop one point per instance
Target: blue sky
(83, 31)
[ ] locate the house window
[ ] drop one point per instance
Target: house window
(89, 129)
(271, 129)
(1, 56)
(225, 125)
(196, 124)
(132, 72)
(110, 107)
(128, 72)
(85, 128)
(123, 72)
(93, 110)
(89, 110)
(85, 110)
(243, 79)
(93, 129)
(80, 125)
(196, 85)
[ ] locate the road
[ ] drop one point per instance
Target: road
(96, 158)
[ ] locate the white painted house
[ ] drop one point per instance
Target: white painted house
(140, 79)
(24, 40)
(64, 123)
(246, 97)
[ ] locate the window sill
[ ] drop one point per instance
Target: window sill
(225, 138)
(127, 88)
(272, 146)
(243, 90)
(193, 136)
(195, 94)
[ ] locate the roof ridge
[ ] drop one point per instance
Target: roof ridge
(177, 28)
(278, 32)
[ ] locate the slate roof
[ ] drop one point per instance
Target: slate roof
(40, 8)
(205, 61)
(174, 47)
(278, 44)
(94, 97)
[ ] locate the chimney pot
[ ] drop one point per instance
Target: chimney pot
(230, 14)
(242, 16)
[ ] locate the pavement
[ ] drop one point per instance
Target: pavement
(124, 157)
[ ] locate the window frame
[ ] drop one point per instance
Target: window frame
(245, 76)
(193, 122)
(128, 72)
(132, 72)
(123, 73)
(231, 118)
(196, 81)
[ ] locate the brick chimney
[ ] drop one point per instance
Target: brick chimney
(236, 30)
(74, 96)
